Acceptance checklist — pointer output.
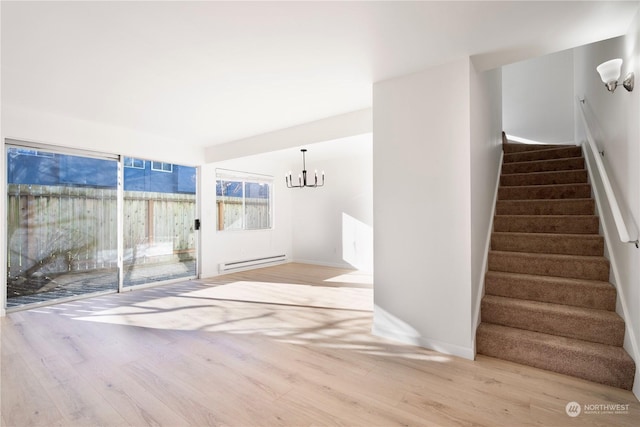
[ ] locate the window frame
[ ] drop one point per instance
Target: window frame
(34, 152)
(133, 163)
(162, 165)
(223, 175)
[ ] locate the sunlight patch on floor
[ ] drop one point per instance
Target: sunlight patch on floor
(357, 277)
(292, 294)
(334, 318)
(274, 309)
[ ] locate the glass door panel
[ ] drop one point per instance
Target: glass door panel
(159, 216)
(61, 225)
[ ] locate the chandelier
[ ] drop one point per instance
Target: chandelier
(302, 178)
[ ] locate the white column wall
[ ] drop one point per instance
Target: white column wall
(538, 100)
(422, 209)
(614, 121)
(486, 147)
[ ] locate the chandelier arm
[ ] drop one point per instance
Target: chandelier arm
(302, 178)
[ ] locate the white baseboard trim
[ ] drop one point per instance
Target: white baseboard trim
(324, 264)
(636, 383)
(485, 260)
(428, 343)
(622, 308)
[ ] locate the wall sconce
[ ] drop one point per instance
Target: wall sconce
(610, 73)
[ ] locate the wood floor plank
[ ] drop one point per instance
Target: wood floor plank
(25, 402)
(281, 346)
(132, 401)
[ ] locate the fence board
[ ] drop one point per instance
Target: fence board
(257, 213)
(74, 228)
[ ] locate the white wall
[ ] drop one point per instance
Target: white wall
(538, 100)
(486, 149)
(228, 246)
(311, 219)
(47, 128)
(421, 160)
(333, 225)
(614, 119)
(328, 129)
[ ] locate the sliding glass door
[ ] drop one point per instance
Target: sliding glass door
(159, 218)
(62, 224)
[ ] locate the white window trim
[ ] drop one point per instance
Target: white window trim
(247, 177)
(133, 163)
(163, 164)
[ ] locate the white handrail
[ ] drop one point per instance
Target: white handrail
(623, 232)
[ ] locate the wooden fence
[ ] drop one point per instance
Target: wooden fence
(57, 228)
(257, 213)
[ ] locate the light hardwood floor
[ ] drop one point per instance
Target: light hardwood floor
(282, 346)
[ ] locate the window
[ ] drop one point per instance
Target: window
(161, 167)
(63, 218)
(130, 162)
(243, 201)
(30, 152)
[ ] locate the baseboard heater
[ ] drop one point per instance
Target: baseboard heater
(251, 263)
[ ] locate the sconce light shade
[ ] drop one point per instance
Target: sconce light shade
(610, 73)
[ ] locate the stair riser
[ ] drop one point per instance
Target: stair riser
(512, 262)
(544, 207)
(578, 326)
(533, 288)
(547, 302)
(567, 361)
(549, 243)
(562, 191)
(546, 224)
(557, 153)
(545, 178)
(509, 148)
(543, 166)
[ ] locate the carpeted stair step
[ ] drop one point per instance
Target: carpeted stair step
(572, 266)
(565, 224)
(545, 178)
(537, 192)
(605, 327)
(551, 243)
(543, 165)
(558, 290)
(548, 302)
(546, 207)
(514, 147)
(600, 363)
(548, 154)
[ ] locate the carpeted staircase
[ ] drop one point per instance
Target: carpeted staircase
(548, 302)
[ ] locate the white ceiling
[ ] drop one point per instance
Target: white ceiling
(212, 72)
